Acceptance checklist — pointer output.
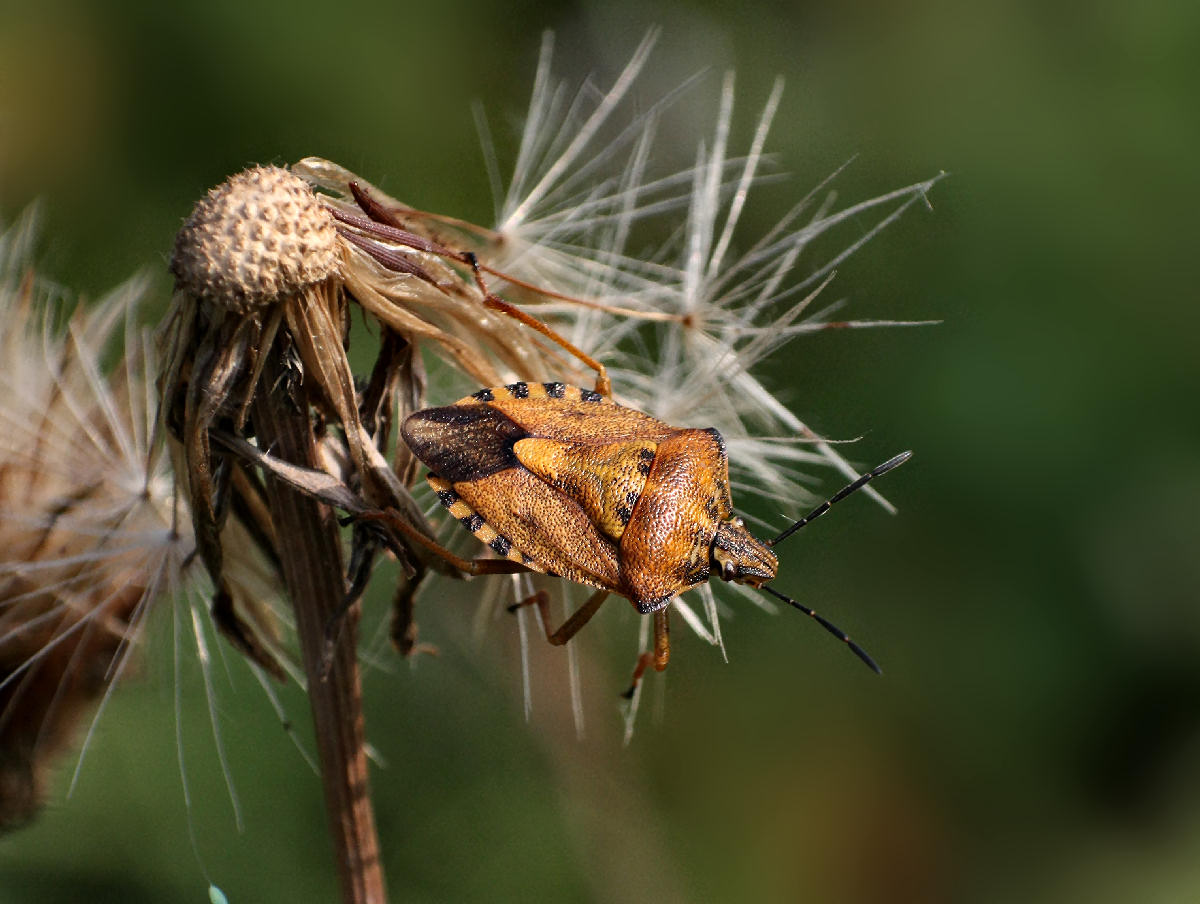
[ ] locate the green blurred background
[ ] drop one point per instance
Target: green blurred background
(1036, 736)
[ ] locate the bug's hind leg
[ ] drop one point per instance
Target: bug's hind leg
(659, 656)
(571, 626)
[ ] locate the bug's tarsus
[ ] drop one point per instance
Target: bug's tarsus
(643, 663)
(403, 628)
(828, 626)
(841, 494)
(538, 599)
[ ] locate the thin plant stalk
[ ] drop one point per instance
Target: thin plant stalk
(311, 562)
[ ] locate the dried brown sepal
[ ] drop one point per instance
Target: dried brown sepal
(258, 268)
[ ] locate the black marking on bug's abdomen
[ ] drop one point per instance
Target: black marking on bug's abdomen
(463, 442)
(472, 522)
(501, 544)
(554, 390)
(518, 390)
(484, 395)
(588, 396)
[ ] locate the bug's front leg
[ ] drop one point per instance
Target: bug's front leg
(660, 655)
(571, 626)
(603, 383)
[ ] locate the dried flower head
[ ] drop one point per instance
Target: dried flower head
(87, 536)
(258, 237)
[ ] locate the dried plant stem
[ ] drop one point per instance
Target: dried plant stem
(311, 557)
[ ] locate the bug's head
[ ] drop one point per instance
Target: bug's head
(738, 556)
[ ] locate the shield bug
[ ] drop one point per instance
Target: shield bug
(564, 481)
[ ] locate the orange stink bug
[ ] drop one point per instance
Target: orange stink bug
(564, 481)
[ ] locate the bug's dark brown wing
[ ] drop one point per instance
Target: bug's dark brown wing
(570, 414)
(544, 524)
(462, 442)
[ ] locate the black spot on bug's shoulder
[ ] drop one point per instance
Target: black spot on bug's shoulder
(518, 390)
(554, 390)
(501, 544)
(716, 434)
(624, 513)
(463, 442)
(472, 522)
(484, 395)
(588, 396)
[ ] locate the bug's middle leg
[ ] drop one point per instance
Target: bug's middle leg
(571, 626)
(659, 656)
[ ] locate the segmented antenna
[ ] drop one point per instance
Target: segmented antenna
(828, 626)
(838, 497)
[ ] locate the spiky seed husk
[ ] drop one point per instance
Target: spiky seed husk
(259, 236)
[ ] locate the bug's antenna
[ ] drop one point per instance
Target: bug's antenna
(838, 497)
(828, 626)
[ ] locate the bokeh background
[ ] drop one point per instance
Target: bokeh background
(1035, 604)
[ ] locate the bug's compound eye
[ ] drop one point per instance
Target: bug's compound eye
(724, 565)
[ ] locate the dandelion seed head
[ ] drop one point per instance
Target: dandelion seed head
(257, 237)
(87, 537)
